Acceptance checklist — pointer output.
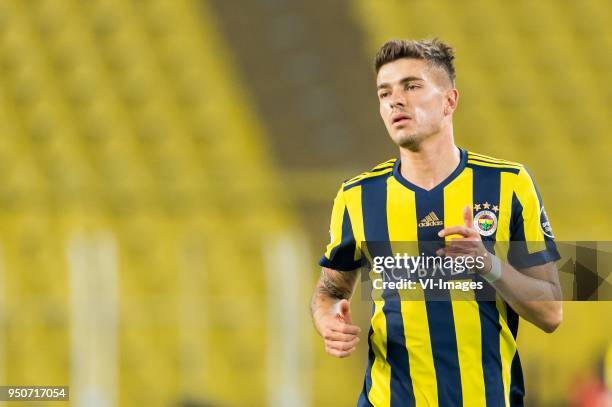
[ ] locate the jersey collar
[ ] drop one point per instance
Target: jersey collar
(398, 175)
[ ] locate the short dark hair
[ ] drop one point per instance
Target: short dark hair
(433, 51)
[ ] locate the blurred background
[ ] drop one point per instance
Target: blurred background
(167, 170)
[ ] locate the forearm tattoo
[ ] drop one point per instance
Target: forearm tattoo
(339, 285)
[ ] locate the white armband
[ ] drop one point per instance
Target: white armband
(496, 270)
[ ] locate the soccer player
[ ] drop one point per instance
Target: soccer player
(437, 353)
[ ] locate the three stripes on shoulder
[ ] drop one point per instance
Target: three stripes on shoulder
(486, 161)
(380, 169)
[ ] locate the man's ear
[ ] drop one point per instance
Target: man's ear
(452, 97)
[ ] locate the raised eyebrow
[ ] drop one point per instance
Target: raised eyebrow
(407, 79)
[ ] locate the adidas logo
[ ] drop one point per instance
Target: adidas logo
(430, 220)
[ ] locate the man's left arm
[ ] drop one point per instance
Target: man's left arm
(533, 292)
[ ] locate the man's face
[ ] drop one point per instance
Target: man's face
(415, 98)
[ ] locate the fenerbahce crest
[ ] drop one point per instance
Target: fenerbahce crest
(485, 220)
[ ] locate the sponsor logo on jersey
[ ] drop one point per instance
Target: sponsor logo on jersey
(430, 220)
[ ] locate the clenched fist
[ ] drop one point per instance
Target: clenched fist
(337, 330)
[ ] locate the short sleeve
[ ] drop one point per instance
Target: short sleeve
(342, 252)
(531, 232)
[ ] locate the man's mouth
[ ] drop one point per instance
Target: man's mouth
(400, 118)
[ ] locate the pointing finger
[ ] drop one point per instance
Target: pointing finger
(468, 219)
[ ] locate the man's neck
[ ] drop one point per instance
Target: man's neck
(435, 160)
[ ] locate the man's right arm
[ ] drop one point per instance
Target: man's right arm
(331, 313)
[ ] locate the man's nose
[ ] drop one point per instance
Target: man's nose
(398, 100)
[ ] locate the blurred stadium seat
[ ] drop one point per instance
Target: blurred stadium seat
(126, 117)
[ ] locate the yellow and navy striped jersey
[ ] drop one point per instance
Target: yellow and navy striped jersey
(441, 353)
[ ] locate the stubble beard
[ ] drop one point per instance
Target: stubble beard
(413, 140)
(410, 141)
